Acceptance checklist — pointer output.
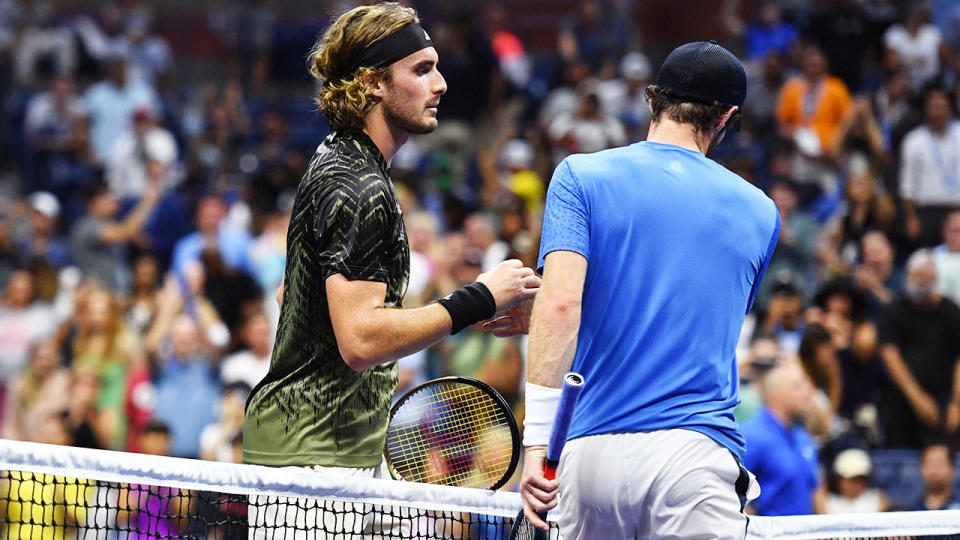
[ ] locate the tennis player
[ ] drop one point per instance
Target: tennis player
(651, 255)
(325, 401)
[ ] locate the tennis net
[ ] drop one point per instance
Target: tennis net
(52, 493)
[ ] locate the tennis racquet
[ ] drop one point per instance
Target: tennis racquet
(572, 385)
(454, 431)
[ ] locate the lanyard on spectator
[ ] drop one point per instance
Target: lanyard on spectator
(811, 98)
(949, 170)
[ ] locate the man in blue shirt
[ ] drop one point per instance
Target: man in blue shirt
(651, 256)
(938, 470)
(779, 450)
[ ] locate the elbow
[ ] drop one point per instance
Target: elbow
(565, 305)
(357, 354)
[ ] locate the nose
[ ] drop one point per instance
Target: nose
(441, 84)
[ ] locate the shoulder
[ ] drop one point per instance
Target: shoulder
(338, 166)
(757, 429)
(895, 33)
(950, 308)
(836, 85)
(914, 138)
(953, 129)
(792, 86)
(86, 227)
(327, 192)
(585, 166)
(931, 33)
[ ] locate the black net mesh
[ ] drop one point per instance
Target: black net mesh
(54, 493)
(44, 506)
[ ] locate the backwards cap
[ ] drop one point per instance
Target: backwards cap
(704, 72)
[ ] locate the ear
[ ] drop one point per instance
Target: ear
(374, 83)
(726, 117)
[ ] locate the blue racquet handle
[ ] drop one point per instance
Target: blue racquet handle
(572, 385)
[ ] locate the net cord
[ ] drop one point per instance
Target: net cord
(889, 524)
(296, 482)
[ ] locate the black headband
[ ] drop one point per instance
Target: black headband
(398, 45)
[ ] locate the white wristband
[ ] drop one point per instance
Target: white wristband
(541, 408)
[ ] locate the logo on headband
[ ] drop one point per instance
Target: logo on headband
(426, 36)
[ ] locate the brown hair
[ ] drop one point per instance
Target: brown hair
(701, 116)
(344, 98)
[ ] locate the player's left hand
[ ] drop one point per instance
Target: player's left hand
(537, 493)
(512, 322)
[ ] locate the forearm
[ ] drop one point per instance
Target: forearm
(900, 374)
(910, 209)
(955, 392)
(141, 211)
(553, 338)
(390, 333)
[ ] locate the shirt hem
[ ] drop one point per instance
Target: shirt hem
(308, 460)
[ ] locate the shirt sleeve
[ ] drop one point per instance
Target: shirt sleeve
(890, 326)
(771, 247)
(566, 220)
(350, 232)
(910, 167)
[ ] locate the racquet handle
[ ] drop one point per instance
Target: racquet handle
(550, 469)
(569, 394)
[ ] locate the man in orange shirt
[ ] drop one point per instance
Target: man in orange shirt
(812, 105)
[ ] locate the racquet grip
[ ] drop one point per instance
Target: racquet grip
(572, 385)
(550, 468)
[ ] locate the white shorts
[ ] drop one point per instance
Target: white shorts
(283, 518)
(664, 484)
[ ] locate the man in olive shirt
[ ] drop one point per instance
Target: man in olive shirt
(325, 402)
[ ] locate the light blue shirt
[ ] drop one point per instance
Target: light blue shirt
(187, 396)
(676, 246)
(111, 109)
(233, 244)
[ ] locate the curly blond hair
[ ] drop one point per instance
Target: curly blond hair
(344, 98)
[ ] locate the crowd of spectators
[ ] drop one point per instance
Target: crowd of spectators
(143, 212)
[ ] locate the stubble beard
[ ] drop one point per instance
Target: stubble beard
(408, 122)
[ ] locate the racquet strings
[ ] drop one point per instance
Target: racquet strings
(451, 433)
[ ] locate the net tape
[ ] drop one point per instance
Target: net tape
(61, 492)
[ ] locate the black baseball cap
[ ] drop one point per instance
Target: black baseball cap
(704, 72)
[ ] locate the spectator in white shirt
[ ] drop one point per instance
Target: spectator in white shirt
(53, 117)
(947, 258)
(586, 130)
(854, 494)
(930, 169)
(251, 364)
(146, 141)
(918, 44)
(112, 102)
(24, 321)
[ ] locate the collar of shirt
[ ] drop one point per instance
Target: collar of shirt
(365, 144)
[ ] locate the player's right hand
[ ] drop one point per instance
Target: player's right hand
(510, 283)
(537, 493)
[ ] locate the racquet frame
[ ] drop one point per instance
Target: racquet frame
(499, 402)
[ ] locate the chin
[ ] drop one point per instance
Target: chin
(424, 128)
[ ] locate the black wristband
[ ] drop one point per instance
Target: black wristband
(468, 305)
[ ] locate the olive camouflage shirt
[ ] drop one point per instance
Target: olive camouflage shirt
(312, 408)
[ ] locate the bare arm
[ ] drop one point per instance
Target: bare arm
(953, 408)
(553, 344)
(128, 229)
(834, 385)
(370, 333)
(922, 403)
(556, 318)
